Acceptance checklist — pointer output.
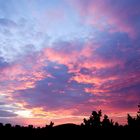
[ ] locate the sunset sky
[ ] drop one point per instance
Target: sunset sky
(61, 59)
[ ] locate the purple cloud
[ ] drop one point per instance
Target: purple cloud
(70, 76)
(4, 113)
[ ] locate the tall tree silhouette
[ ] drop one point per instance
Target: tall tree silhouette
(106, 123)
(50, 125)
(130, 121)
(94, 120)
(138, 116)
(134, 121)
(1, 125)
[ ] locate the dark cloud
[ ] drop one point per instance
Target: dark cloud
(4, 113)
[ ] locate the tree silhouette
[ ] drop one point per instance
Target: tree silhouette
(130, 121)
(30, 126)
(116, 125)
(134, 121)
(94, 121)
(138, 116)
(50, 125)
(1, 125)
(17, 126)
(106, 123)
(8, 125)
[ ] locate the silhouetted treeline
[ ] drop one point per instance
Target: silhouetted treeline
(93, 126)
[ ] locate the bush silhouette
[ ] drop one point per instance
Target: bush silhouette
(95, 121)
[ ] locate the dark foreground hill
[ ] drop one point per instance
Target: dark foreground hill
(68, 131)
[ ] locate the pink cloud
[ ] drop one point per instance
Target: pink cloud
(23, 74)
(120, 16)
(81, 79)
(76, 58)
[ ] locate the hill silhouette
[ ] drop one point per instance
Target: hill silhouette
(89, 128)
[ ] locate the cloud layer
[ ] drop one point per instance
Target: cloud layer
(65, 78)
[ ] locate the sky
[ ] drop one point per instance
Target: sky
(62, 59)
